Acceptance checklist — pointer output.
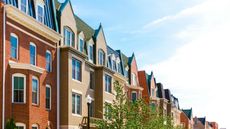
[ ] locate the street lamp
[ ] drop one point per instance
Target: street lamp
(89, 101)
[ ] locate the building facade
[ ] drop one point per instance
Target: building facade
(29, 41)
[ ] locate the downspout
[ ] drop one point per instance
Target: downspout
(3, 69)
(58, 86)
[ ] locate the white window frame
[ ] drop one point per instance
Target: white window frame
(24, 97)
(90, 45)
(21, 124)
(66, 28)
(48, 86)
(80, 38)
(134, 79)
(15, 36)
(77, 60)
(132, 95)
(35, 78)
(47, 51)
(77, 93)
(41, 4)
(100, 51)
(19, 6)
(35, 56)
(35, 126)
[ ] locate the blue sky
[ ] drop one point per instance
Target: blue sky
(185, 42)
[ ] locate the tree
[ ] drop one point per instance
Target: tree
(126, 114)
(10, 124)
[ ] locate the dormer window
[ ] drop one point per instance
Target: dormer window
(69, 37)
(23, 6)
(81, 45)
(101, 57)
(40, 13)
(134, 79)
(114, 65)
(90, 52)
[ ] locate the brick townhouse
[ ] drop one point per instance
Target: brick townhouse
(28, 53)
(187, 118)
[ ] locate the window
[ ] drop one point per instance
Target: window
(114, 65)
(119, 67)
(76, 103)
(40, 13)
(19, 88)
(108, 83)
(69, 37)
(90, 52)
(134, 79)
(32, 54)
(35, 86)
(34, 126)
(76, 69)
(153, 92)
(91, 109)
(48, 61)
(48, 97)
(101, 57)
(20, 126)
(23, 6)
(91, 83)
(81, 45)
(14, 46)
(134, 96)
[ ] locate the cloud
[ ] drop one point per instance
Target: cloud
(198, 72)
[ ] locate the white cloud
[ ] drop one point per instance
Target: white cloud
(199, 71)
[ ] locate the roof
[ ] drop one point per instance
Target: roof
(57, 4)
(188, 113)
(130, 59)
(175, 101)
(202, 120)
(168, 95)
(160, 91)
(124, 63)
(85, 28)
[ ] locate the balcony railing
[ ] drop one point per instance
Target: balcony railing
(92, 122)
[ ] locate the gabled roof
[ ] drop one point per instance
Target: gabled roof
(202, 120)
(175, 102)
(124, 63)
(85, 28)
(130, 60)
(188, 113)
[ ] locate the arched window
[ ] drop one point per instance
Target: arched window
(69, 37)
(18, 88)
(20, 125)
(35, 126)
(14, 46)
(48, 61)
(33, 54)
(101, 57)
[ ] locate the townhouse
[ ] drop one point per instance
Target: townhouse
(176, 111)
(29, 40)
(187, 118)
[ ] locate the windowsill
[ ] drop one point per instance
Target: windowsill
(19, 103)
(91, 89)
(76, 81)
(76, 115)
(108, 93)
(35, 105)
(48, 110)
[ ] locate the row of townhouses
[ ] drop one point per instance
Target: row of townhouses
(51, 61)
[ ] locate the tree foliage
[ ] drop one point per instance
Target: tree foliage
(126, 114)
(10, 124)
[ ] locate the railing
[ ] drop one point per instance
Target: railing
(92, 122)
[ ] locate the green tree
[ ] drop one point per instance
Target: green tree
(10, 124)
(125, 114)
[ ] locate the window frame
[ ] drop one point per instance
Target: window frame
(24, 93)
(50, 63)
(74, 69)
(41, 4)
(48, 86)
(20, 124)
(15, 36)
(79, 44)
(92, 80)
(134, 92)
(101, 52)
(20, 6)
(72, 37)
(134, 79)
(35, 78)
(76, 95)
(89, 52)
(35, 55)
(35, 126)
(107, 89)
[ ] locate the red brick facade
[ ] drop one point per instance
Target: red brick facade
(184, 120)
(143, 82)
(27, 113)
(214, 125)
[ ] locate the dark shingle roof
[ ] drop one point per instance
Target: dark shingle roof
(188, 113)
(202, 120)
(85, 28)
(160, 91)
(168, 95)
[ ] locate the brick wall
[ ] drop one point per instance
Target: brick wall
(184, 120)
(28, 113)
(144, 85)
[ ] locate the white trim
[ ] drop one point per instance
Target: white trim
(90, 45)
(48, 51)
(3, 67)
(41, 4)
(35, 126)
(48, 86)
(35, 56)
(67, 28)
(29, 34)
(38, 93)
(14, 35)
(81, 100)
(21, 124)
(19, 75)
(79, 41)
(76, 91)
(108, 101)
